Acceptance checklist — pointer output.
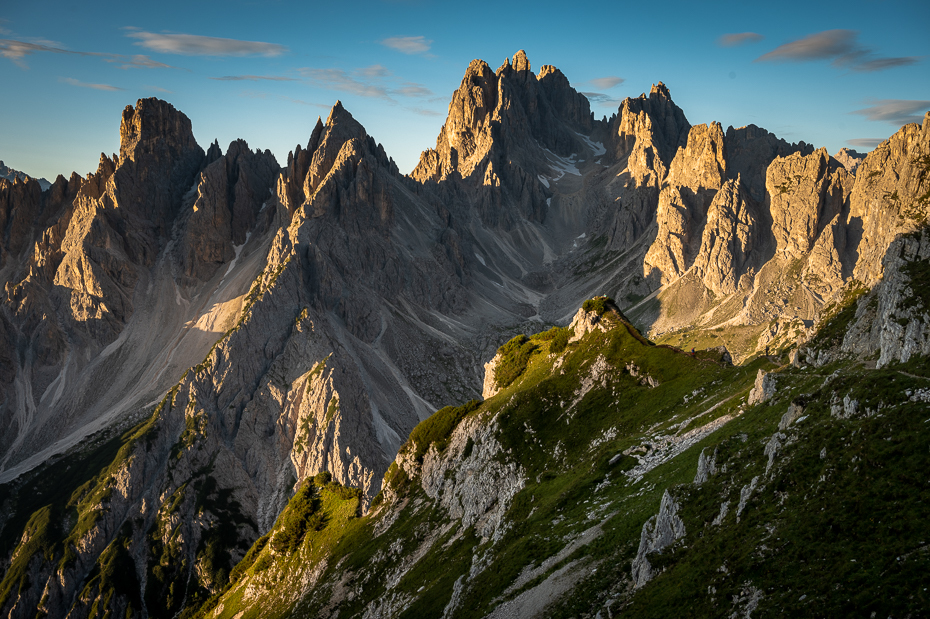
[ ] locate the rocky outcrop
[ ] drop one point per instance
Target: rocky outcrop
(849, 159)
(889, 197)
(763, 389)
(750, 150)
(695, 176)
(659, 532)
(805, 193)
(893, 320)
(469, 479)
(231, 192)
(732, 240)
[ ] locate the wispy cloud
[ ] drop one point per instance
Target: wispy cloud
(424, 112)
(373, 82)
(254, 78)
(18, 50)
(868, 143)
(159, 89)
(601, 99)
(196, 45)
(895, 112)
(839, 46)
(338, 79)
(408, 45)
(74, 82)
(606, 83)
(410, 89)
(739, 38)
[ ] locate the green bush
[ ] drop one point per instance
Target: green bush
(598, 305)
(559, 340)
(300, 516)
(515, 355)
(437, 428)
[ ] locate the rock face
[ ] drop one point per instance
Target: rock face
(697, 172)
(659, 532)
(731, 240)
(501, 127)
(231, 192)
(849, 159)
(894, 319)
(750, 150)
(805, 193)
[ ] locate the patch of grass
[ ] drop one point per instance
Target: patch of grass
(515, 355)
(437, 428)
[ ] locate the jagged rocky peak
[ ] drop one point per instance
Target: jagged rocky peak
(697, 172)
(507, 111)
(341, 171)
(850, 159)
(231, 192)
(648, 132)
(804, 193)
(731, 240)
(890, 195)
(751, 149)
(151, 126)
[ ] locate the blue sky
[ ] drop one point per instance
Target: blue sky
(830, 74)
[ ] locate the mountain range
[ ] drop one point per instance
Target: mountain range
(211, 364)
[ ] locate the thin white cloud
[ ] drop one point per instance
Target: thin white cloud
(138, 61)
(408, 45)
(373, 71)
(340, 80)
(839, 46)
(895, 112)
(424, 112)
(365, 82)
(18, 50)
(159, 89)
(739, 38)
(868, 143)
(410, 89)
(254, 78)
(74, 82)
(606, 83)
(196, 45)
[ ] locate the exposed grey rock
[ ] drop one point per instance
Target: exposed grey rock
(473, 484)
(771, 450)
(850, 159)
(794, 412)
(697, 172)
(744, 494)
(659, 532)
(750, 150)
(763, 389)
(891, 320)
(707, 466)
